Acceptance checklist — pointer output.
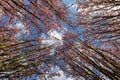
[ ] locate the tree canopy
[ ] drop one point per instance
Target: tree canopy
(81, 37)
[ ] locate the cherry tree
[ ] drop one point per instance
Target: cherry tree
(87, 46)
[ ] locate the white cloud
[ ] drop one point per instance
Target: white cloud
(55, 34)
(21, 26)
(54, 38)
(62, 75)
